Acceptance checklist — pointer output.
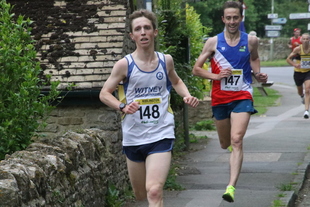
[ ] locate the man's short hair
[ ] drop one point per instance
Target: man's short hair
(143, 13)
(233, 4)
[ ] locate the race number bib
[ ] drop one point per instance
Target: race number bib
(233, 82)
(305, 63)
(149, 111)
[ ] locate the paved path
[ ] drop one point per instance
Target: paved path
(275, 157)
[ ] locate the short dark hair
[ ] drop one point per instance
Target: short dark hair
(143, 13)
(233, 4)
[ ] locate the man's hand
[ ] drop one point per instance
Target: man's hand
(261, 77)
(192, 101)
(224, 73)
(131, 108)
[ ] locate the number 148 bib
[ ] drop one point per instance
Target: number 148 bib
(150, 110)
(233, 82)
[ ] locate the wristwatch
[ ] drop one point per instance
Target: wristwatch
(122, 106)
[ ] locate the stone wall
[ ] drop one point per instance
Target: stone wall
(75, 161)
(280, 49)
(77, 118)
(74, 169)
(201, 112)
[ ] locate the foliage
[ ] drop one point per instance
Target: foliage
(196, 31)
(58, 196)
(210, 14)
(286, 187)
(179, 145)
(277, 203)
(118, 197)
(179, 29)
(21, 103)
(171, 183)
(256, 15)
(204, 125)
(113, 197)
(283, 8)
(195, 139)
(262, 9)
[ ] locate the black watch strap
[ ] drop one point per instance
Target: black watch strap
(122, 106)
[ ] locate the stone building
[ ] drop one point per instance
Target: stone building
(78, 43)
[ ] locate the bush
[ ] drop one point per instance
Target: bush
(205, 125)
(22, 105)
(180, 29)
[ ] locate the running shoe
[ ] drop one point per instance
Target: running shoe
(306, 115)
(230, 149)
(229, 195)
(302, 99)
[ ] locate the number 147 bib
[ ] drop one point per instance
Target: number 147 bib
(233, 82)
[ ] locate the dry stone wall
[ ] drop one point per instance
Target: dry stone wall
(74, 169)
(280, 49)
(202, 112)
(77, 118)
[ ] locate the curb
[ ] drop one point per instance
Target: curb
(291, 196)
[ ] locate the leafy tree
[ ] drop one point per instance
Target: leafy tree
(196, 31)
(256, 15)
(210, 14)
(181, 36)
(284, 9)
(180, 29)
(22, 105)
(262, 9)
(251, 15)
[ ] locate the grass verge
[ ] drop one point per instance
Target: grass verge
(261, 103)
(274, 63)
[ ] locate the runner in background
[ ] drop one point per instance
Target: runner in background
(295, 40)
(302, 70)
(292, 44)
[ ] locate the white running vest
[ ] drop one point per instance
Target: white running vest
(154, 120)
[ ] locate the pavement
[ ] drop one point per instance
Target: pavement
(276, 159)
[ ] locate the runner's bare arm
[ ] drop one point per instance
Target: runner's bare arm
(289, 58)
(255, 61)
(207, 51)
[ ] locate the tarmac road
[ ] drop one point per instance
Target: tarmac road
(275, 158)
(280, 75)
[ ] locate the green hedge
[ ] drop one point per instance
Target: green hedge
(21, 104)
